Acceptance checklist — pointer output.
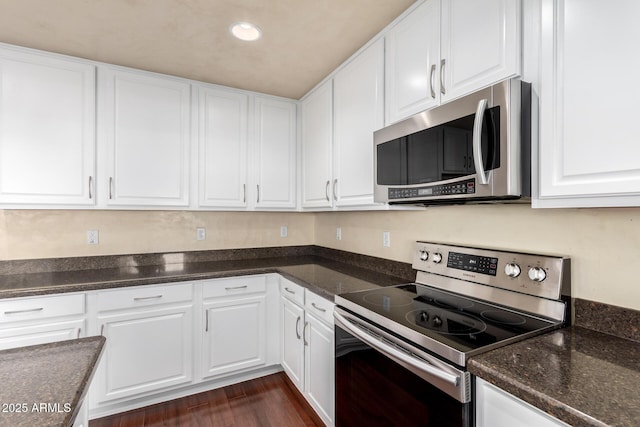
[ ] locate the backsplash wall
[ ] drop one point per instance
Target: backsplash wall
(604, 244)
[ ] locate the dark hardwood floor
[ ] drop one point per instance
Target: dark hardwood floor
(267, 401)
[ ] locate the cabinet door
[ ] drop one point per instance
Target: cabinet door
(320, 367)
(145, 351)
(317, 138)
(41, 333)
(145, 132)
(222, 147)
(292, 344)
(47, 130)
(275, 151)
(235, 335)
(412, 58)
(496, 408)
(588, 150)
(480, 43)
(358, 107)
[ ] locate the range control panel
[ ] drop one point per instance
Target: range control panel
(539, 275)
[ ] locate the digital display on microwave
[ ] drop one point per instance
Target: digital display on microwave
(425, 191)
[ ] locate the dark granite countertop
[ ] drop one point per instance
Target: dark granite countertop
(580, 376)
(44, 385)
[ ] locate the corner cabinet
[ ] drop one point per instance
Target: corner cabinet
(144, 137)
(497, 408)
(588, 150)
(47, 129)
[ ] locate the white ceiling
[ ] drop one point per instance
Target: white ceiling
(303, 40)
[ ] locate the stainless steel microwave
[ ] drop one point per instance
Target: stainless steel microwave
(475, 148)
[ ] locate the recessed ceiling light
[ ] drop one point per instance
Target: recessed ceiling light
(245, 31)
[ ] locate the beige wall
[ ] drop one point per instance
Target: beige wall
(604, 244)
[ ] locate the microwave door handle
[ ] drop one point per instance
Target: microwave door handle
(477, 143)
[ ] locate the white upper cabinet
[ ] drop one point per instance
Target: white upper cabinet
(47, 129)
(222, 147)
(445, 49)
(588, 146)
(480, 44)
(145, 131)
(317, 138)
(274, 151)
(412, 59)
(359, 111)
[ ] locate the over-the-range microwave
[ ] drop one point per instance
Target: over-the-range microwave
(473, 149)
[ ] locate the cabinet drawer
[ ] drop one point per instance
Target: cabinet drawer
(234, 286)
(25, 309)
(320, 307)
(292, 291)
(144, 296)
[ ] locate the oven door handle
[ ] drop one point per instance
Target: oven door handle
(477, 143)
(394, 353)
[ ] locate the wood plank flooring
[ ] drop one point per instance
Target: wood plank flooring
(268, 401)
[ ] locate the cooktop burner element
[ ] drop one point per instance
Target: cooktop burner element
(467, 300)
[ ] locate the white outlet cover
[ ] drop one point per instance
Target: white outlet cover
(386, 239)
(201, 233)
(284, 231)
(339, 233)
(93, 237)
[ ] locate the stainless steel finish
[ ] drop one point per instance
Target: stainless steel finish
(443, 62)
(483, 179)
(235, 288)
(147, 298)
(304, 334)
(110, 187)
(290, 291)
(29, 310)
(453, 381)
(90, 185)
(297, 323)
(506, 181)
(431, 74)
(335, 194)
(324, 310)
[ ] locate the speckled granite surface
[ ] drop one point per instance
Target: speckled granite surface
(618, 321)
(44, 385)
(580, 376)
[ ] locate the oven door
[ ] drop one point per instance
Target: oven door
(382, 381)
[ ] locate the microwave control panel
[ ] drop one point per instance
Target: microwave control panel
(457, 188)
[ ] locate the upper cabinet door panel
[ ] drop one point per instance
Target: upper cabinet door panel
(222, 147)
(480, 44)
(588, 151)
(275, 143)
(47, 129)
(146, 132)
(358, 108)
(412, 60)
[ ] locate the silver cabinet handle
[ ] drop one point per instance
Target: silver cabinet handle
(324, 310)
(90, 185)
(244, 193)
(477, 143)
(335, 184)
(235, 288)
(443, 62)
(147, 298)
(297, 323)
(29, 310)
(326, 191)
(110, 187)
(304, 332)
(102, 329)
(290, 291)
(79, 332)
(258, 195)
(206, 321)
(431, 74)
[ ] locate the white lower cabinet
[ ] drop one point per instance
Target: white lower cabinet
(308, 347)
(497, 408)
(149, 347)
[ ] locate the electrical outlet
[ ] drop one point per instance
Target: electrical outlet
(386, 239)
(283, 231)
(201, 233)
(93, 237)
(339, 233)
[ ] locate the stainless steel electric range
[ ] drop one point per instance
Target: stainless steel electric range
(401, 351)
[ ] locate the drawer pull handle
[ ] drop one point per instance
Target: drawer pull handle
(290, 291)
(324, 310)
(147, 298)
(235, 288)
(30, 310)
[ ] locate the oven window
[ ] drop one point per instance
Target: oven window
(372, 390)
(439, 153)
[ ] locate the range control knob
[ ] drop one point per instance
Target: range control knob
(437, 258)
(537, 274)
(424, 255)
(437, 321)
(512, 269)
